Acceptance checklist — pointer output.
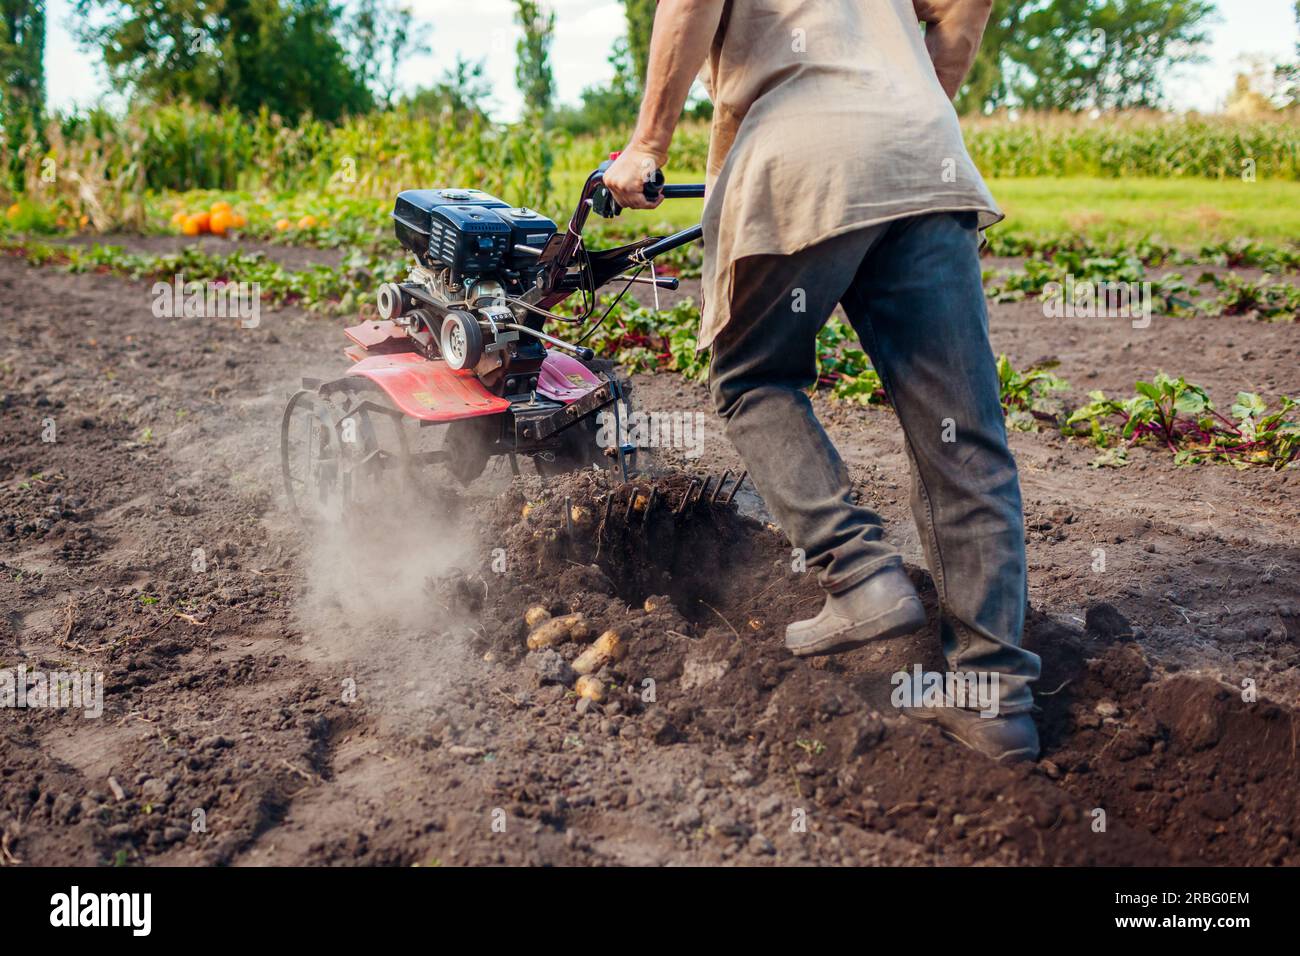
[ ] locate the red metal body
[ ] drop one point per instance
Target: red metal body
(431, 391)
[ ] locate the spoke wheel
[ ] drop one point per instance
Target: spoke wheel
(311, 459)
(343, 452)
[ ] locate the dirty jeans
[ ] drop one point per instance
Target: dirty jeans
(912, 291)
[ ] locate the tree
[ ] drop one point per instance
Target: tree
(611, 106)
(640, 21)
(22, 56)
(279, 54)
(381, 38)
(1288, 74)
(533, 57)
(464, 90)
(1079, 54)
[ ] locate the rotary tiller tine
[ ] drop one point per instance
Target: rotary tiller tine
(736, 487)
(604, 519)
(713, 499)
(686, 496)
(704, 490)
(568, 516)
(631, 500)
(650, 503)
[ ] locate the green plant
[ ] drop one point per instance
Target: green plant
(1026, 394)
(342, 290)
(844, 366)
(1262, 299)
(1140, 144)
(1180, 416)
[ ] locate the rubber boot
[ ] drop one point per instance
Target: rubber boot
(1006, 739)
(884, 605)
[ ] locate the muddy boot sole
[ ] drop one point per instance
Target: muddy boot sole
(906, 616)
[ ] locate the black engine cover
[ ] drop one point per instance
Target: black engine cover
(468, 230)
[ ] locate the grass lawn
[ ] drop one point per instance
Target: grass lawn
(1184, 212)
(1179, 211)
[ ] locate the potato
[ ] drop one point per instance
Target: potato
(558, 630)
(590, 688)
(651, 604)
(608, 647)
(579, 514)
(536, 615)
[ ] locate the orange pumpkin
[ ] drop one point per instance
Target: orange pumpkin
(220, 221)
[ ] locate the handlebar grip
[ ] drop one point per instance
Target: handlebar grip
(585, 353)
(604, 204)
(655, 186)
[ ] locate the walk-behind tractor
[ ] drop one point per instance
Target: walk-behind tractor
(460, 345)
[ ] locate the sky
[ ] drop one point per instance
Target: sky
(585, 30)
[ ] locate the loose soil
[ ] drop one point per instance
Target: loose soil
(366, 695)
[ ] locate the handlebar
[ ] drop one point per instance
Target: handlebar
(555, 281)
(604, 204)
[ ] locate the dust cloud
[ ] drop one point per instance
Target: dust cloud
(369, 608)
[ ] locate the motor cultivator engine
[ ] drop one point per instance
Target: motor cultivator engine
(460, 345)
(474, 253)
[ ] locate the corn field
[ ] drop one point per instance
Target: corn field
(1140, 145)
(181, 147)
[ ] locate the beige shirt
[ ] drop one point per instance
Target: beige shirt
(827, 117)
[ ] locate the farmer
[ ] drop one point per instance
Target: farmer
(837, 174)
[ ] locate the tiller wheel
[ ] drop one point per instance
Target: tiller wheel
(342, 449)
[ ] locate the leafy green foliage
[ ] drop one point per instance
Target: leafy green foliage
(1011, 285)
(1077, 54)
(1237, 254)
(1171, 293)
(533, 72)
(643, 340)
(22, 64)
(1026, 395)
(1179, 415)
(1248, 254)
(1258, 299)
(640, 19)
(343, 290)
(844, 366)
(1122, 148)
(1167, 411)
(278, 55)
(373, 156)
(381, 36)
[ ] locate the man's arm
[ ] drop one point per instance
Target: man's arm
(683, 32)
(953, 29)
